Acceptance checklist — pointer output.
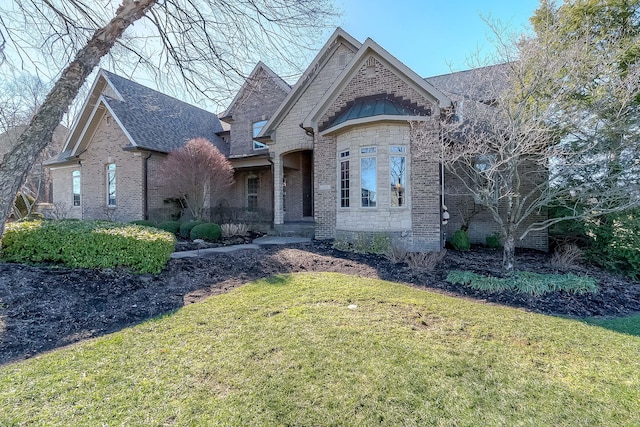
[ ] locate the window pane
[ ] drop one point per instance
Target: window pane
(76, 187)
(368, 175)
(344, 184)
(111, 184)
(397, 168)
(367, 150)
(257, 127)
(252, 193)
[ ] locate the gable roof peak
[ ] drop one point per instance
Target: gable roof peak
(279, 81)
(372, 49)
(150, 119)
(338, 36)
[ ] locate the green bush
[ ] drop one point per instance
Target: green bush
(526, 282)
(493, 241)
(88, 244)
(143, 222)
(371, 243)
(460, 241)
(208, 231)
(614, 242)
(171, 226)
(186, 227)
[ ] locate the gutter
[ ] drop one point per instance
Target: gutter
(273, 188)
(145, 180)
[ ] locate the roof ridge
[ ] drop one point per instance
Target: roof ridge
(110, 74)
(469, 70)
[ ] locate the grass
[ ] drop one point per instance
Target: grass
(290, 351)
(626, 325)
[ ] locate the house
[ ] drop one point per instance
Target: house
(338, 150)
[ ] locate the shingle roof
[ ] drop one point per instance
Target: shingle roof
(158, 122)
(478, 84)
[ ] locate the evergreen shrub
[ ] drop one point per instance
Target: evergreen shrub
(88, 244)
(208, 231)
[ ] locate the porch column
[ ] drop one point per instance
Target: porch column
(278, 209)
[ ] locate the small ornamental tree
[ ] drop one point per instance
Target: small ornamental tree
(195, 172)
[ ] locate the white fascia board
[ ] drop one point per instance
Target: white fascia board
(374, 119)
(112, 86)
(133, 143)
(84, 107)
(75, 165)
(101, 101)
(317, 63)
(270, 73)
(86, 125)
(371, 48)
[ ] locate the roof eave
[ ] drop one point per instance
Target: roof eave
(304, 80)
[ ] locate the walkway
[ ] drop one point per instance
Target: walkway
(257, 244)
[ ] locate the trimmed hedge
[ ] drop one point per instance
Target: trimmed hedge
(171, 226)
(209, 231)
(144, 222)
(186, 227)
(88, 244)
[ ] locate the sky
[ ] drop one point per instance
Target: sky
(433, 37)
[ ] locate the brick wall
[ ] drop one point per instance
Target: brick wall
(105, 147)
(290, 137)
(63, 190)
(261, 96)
(159, 207)
(371, 80)
(426, 203)
(416, 225)
(383, 217)
(481, 224)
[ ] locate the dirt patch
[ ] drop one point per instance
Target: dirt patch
(42, 308)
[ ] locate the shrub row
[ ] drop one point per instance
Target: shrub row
(191, 229)
(525, 282)
(88, 244)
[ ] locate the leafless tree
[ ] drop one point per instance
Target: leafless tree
(205, 43)
(521, 145)
(195, 172)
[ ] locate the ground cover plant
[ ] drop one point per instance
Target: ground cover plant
(88, 244)
(526, 282)
(330, 349)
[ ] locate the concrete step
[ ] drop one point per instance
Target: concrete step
(294, 229)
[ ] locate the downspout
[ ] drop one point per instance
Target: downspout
(145, 180)
(273, 188)
(444, 212)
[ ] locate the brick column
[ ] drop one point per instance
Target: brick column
(278, 212)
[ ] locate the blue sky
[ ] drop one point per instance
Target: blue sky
(432, 36)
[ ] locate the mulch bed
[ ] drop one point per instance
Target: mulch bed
(43, 308)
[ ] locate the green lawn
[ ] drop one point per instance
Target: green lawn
(289, 351)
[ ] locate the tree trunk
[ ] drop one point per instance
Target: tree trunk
(509, 251)
(16, 163)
